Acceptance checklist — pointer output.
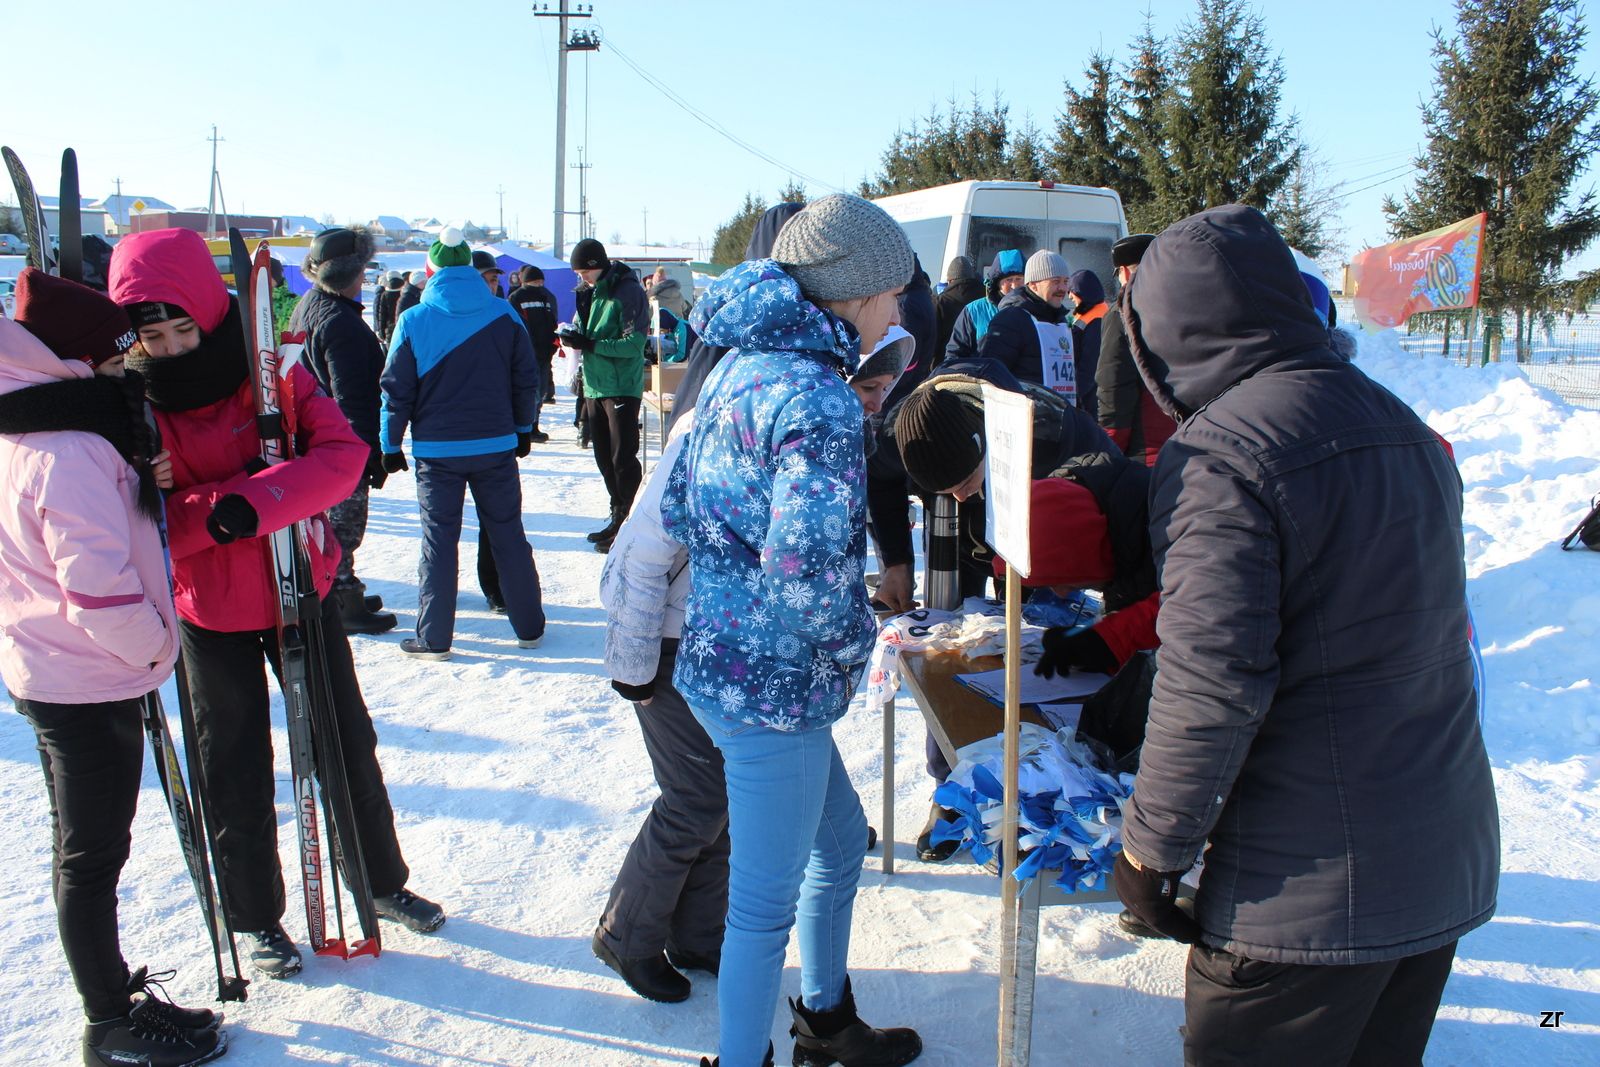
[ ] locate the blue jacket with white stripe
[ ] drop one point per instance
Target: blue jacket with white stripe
(461, 372)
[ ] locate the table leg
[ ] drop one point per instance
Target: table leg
(886, 831)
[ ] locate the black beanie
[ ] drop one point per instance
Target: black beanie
(940, 434)
(589, 254)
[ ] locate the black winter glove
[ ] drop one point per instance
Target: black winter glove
(394, 462)
(636, 693)
(231, 518)
(576, 338)
(524, 444)
(375, 473)
(1085, 650)
(1153, 897)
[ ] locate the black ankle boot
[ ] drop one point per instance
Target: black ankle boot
(704, 1062)
(839, 1036)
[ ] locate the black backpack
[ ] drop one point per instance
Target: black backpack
(1587, 531)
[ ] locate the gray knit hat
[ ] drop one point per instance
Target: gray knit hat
(844, 248)
(960, 269)
(1045, 264)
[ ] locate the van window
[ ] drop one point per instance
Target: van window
(1084, 245)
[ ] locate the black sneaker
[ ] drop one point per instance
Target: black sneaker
(271, 952)
(149, 1039)
(411, 911)
(151, 996)
(417, 650)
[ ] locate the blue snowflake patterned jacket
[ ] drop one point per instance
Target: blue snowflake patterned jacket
(770, 498)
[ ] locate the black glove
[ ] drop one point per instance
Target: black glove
(524, 444)
(375, 473)
(231, 518)
(578, 339)
(1085, 650)
(1152, 896)
(394, 462)
(636, 693)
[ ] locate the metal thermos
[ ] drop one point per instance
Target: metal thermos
(943, 584)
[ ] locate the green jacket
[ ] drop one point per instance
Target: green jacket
(616, 313)
(283, 302)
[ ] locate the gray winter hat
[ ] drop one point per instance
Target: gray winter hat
(1045, 264)
(960, 269)
(844, 248)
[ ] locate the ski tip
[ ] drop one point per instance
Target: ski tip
(365, 947)
(334, 947)
(234, 989)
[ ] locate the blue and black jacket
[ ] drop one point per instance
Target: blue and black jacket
(461, 372)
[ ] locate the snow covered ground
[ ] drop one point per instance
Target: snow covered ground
(518, 780)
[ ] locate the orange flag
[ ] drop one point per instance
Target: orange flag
(1430, 272)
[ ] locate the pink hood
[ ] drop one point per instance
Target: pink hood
(174, 267)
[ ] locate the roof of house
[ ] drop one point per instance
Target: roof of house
(392, 224)
(118, 207)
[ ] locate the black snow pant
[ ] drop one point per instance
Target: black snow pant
(614, 429)
(496, 486)
(228, 686)
(488, 573)
(349, 520)
(92, 755)
(1243, 1013)
(672, 890)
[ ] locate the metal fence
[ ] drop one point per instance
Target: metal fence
(1564, 356)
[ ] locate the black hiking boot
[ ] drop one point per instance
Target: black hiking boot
(652, 977)
(357, 617)
(709, 962)
(152, 997)
(839, 1036)
(608, 532)
(927, 851)
(417, 914)
(271, 952)
(372, 601)
(148, 1037)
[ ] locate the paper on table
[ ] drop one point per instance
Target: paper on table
(1035, 688)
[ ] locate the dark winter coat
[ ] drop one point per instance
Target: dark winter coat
(947, 308)
(919, 319)
(1314, 717)
(1012, 339)
(1126, 409)
(410, 297)
(536, 306)
(1086, 315)
(387, 310)
(971, 324)
(344, 355)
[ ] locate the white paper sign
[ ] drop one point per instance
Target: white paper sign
(1008, 481)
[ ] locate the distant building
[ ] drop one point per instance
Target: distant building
(249, 225)
(120, 208)
(93, 217)
(296, 225)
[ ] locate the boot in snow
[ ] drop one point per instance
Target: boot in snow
(839, 1036)
(153, 998)
(652, 977)
(146, 1036)
(357, 618)
(927, 851)
(371, 600)
(415, 913)
(271, 952)
(718, 1061)
(607, 532)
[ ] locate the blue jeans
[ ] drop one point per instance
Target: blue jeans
(799, 837)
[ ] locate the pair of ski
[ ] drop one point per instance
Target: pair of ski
(315, 753)
(196, 833)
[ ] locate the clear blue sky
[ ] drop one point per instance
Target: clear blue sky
(410, 108)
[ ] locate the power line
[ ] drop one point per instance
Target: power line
(711, 123)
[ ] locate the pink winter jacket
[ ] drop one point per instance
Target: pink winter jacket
(85, 613)
(229, 587)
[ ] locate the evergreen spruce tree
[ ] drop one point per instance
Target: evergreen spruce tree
(1088, 147)
(1028, 156)
(1222, 135)
(972, 143)
(1511, 127)
(732, 236)
(1306, 211)
(1137, 125)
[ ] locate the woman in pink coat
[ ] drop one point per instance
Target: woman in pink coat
(86, 631)
(223, 505)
